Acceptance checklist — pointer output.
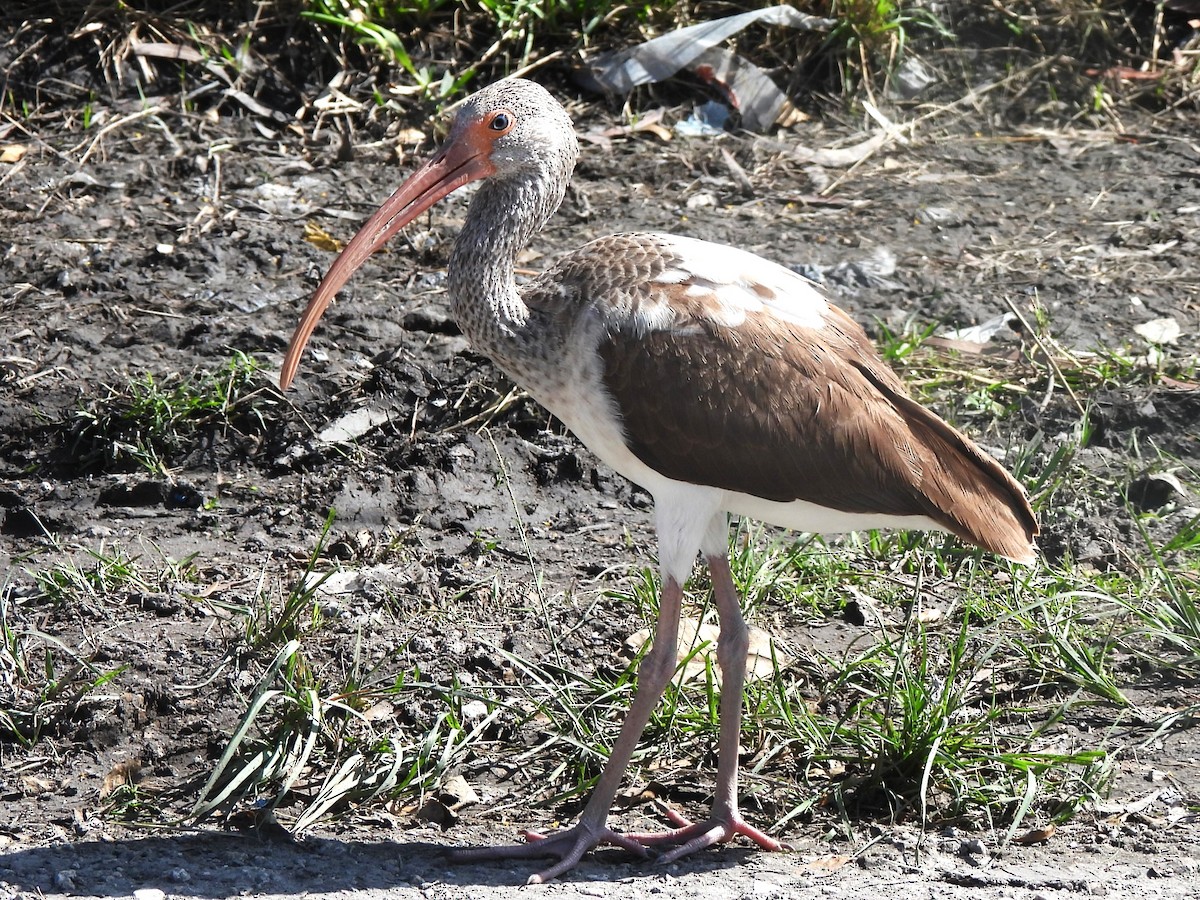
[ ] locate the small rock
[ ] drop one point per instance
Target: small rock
(143, 493)
(974, 846)
(853, 613)
(456, 793)
(1159, 331)
(474, 711)
(437, 813)
(65, 879)
(21, 521)
(180, 875)
(182, 495)
(149, 894)
(940, 215)
(911, 77)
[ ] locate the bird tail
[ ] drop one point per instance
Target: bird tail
(968, 492)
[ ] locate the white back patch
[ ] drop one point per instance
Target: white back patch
(743, 283)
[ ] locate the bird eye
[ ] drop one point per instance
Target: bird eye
(501, 122)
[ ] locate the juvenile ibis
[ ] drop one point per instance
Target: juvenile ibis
(718, 381)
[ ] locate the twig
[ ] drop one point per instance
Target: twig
(13, 171)
(895, 131)
(1049, 356)
(111, 126)
(519, 518)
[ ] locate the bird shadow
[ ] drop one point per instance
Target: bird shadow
(223, 864)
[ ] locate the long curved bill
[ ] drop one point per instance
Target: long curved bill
(458, 163)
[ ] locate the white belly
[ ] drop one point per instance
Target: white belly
(589, 416)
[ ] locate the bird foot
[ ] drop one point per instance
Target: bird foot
(687, 836)
(568, 845)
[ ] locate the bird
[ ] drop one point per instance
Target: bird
(720, 382)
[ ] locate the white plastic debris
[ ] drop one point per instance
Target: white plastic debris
(352, 425)
(749, 89)
(983, 332)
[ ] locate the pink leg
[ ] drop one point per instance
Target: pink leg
(724, 821)
(590, 831)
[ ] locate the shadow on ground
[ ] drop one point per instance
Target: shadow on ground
(218, 864)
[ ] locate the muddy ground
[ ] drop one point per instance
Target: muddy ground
(170, 242)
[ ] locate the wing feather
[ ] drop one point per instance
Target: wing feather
(775, 409)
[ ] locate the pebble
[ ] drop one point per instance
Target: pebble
(474, 711)
(149, 894)
(974, 846)
(65, 879)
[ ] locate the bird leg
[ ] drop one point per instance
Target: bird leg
(590, 831)
(724, 820)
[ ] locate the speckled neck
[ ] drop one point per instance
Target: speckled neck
(504, 215)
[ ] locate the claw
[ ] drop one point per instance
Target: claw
(569, 846)
(687, 837)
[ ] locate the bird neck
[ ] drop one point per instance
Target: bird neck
(503, 216)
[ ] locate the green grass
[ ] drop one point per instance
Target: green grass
(942, 723)
(872, 37)
(950, 705)
(150, 423)
(519, 32)
(49, 682)
(322, 747)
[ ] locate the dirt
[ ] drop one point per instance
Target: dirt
(180, 240)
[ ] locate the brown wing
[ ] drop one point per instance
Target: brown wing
(783, 412)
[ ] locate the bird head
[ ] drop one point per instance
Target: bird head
(510, 130)
(519, 128)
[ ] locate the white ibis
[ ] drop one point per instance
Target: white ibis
(718, 381)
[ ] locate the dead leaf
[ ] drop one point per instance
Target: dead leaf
(32, 785)
(11, 153)
(410, 136)
(650, 121)
(1159, 331)
(319, 237)
(1035, 836)
(121, 775)
(825, 866)
(842, 157)
(167, 51)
